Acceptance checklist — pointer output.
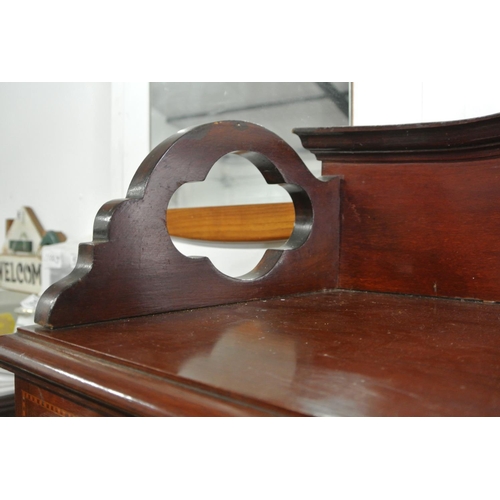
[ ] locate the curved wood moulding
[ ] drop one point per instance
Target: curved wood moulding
(454, 140)
(132, 268)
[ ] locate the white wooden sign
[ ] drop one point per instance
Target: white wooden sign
(21, 273)
(20, 261)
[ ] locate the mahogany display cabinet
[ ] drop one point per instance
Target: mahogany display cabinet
(384, 300)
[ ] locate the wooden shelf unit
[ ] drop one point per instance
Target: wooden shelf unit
(383, 302)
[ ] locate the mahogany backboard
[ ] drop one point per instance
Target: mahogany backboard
(420, 208)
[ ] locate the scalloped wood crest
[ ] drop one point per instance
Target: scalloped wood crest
(131, 268)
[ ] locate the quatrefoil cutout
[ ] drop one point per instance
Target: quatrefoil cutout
(132, 268)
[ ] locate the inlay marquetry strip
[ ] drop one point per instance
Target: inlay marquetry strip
(43, 404)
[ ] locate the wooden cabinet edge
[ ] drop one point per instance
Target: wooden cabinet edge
(109, 387)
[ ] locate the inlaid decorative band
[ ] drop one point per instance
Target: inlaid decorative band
(43, 404)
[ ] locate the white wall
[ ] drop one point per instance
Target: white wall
(55, 153)
(383, 103)
(130, 130)
(67, 148)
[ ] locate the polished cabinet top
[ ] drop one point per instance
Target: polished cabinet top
(336, 353)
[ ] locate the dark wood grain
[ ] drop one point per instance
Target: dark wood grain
(419, 216)
(420, 208)
(336, 353)
(132, 268)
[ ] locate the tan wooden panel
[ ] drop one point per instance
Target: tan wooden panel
(264, 222)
